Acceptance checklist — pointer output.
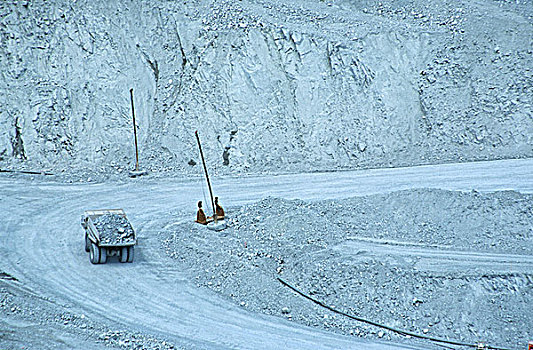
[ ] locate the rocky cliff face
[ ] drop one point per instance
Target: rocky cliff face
(270, 85)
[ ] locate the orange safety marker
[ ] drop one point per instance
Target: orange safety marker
(530, 347)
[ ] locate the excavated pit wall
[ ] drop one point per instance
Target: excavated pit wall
(309, 85)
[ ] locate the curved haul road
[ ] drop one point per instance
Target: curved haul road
(41, 245)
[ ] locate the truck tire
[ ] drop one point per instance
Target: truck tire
(94, 254)
(87, 242)
(130, 254)
(123, 254)
(103, 255)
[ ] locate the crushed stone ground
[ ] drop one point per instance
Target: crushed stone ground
(46, 324)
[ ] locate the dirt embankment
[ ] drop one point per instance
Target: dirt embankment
(445, 264)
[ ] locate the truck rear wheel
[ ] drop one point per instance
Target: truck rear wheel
(130, 254)
(123, 254)
(103, 255)
(94, 254)
(87, 242)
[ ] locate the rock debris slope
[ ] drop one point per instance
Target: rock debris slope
(299, 85)
(446, 264)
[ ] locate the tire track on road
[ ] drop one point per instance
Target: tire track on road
(443, 260)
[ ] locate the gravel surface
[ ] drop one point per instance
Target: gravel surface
(30, 321)
(446, 264)
(114, 229)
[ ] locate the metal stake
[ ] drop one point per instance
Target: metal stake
(134, 133)
(206, 176)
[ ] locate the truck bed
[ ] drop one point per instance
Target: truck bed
(115, 232)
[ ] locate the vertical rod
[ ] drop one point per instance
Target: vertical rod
(206, 175)
(134, 132)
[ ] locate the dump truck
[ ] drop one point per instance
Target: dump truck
(108, 233)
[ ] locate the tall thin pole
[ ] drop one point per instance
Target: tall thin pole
(134, 132)
(206, 175)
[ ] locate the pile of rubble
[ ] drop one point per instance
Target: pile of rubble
(401, 259)
(114, 229)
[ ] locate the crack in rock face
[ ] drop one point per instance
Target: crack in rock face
(17, 143)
